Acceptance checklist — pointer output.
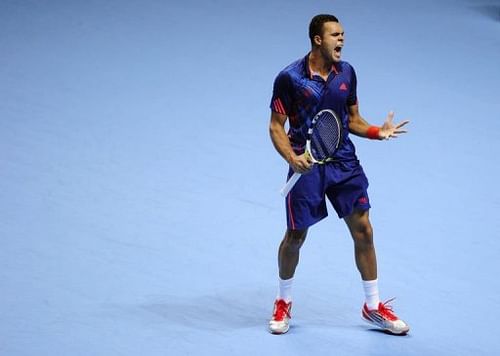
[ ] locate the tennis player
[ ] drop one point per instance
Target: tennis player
(321, 80)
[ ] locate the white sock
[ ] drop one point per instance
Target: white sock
(372, 299)
(285, 289)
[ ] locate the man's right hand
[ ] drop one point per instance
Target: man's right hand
(301, 163)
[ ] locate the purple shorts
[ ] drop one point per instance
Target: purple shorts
(345, 185)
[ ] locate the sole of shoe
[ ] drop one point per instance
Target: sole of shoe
(279, 332)
(388, 330)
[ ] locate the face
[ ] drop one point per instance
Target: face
(332, 41)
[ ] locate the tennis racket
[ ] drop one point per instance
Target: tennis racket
(323, 139)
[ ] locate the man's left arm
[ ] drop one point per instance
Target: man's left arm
(360, 127)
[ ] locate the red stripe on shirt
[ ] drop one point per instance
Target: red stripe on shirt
(278, 106)
(275, 106)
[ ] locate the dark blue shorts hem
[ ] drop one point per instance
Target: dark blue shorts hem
(306, 225)
(357, 208)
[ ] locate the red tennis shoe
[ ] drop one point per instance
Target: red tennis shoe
(281, 315)
(384, 318)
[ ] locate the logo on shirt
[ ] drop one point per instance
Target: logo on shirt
(343, 86)
(363, 200)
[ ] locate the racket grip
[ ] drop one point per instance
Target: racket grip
(289, 185)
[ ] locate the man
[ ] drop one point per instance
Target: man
(319, 81)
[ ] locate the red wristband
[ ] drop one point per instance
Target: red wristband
(372, 132)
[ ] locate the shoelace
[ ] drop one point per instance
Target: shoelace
(387, 311)
(281, 310)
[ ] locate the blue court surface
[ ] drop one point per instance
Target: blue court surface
(139, 204)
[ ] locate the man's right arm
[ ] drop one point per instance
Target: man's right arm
(299, 163)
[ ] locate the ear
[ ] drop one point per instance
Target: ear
(317, 40)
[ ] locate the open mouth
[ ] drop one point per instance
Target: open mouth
(338, 49)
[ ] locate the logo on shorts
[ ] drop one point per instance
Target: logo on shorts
(363, 200)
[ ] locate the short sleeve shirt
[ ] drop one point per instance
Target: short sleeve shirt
(300, 94)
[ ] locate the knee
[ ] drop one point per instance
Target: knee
(295, 238)
(363, 234)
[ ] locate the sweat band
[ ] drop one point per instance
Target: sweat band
(372, 132)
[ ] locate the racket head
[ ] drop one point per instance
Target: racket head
(324, 136)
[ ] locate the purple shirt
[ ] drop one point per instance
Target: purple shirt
(300, 94)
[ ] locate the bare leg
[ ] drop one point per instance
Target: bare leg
(364, 250)
(288, 254)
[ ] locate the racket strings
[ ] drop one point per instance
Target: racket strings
(325, 137)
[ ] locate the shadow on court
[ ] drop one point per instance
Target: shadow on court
(488, 9)
(215, 312)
